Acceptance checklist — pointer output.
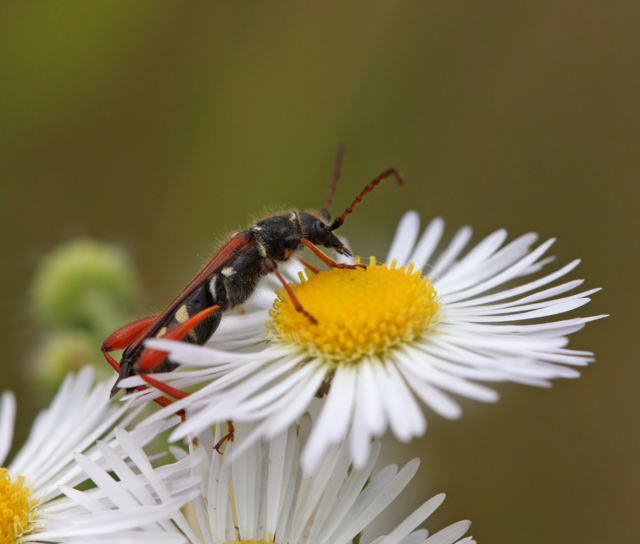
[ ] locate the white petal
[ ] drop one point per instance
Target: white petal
(416, 518)
(427, 244)
(404, 239)
(450, 534)
(376, 497)
(503, 276)
(448, 256)
(7, 418)
(334, 419)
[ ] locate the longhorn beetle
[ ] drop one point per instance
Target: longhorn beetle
(228, 280)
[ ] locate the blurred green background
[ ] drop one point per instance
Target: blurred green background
(161, 126)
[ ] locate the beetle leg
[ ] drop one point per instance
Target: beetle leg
(162, 401)
(151, 358)
(112, 362)
(328, 260)
(271, 266)
(227, 437)
(116, 366)
(121, 338)
(161, 386)
(308, 265)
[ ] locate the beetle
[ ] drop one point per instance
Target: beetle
(228, 279)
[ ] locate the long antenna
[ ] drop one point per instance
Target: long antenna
(335, 176)
(337, 222)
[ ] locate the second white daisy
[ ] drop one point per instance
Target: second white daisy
(263, 497)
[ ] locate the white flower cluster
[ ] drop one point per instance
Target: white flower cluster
(308, 404)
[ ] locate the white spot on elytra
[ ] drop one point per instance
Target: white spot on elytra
(182, 314)
(228, 271)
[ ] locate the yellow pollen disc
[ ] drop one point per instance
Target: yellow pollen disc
(359, 312)
(16, 508)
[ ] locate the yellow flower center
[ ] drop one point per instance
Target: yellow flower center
(16, 508)
(250, 542)
(359, 312)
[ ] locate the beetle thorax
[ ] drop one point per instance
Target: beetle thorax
(271, 234)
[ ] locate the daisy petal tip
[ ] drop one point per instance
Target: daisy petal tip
(178, 434)
(439, 498)
(310, 460)
(411, 215)
(130, 382)
(452, 415)
(437, 223)
(120, 433)
(77, 457)
(414, 463)
(359, 461)
(307, 468)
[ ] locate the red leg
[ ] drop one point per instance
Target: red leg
(116, 366)
(328, 260)
(226, 438)
(151, 358)
(121, 339)
(162, 401)
(309, 265)
(168, 390)
(127, 334)
(271, 266)
(165, 388)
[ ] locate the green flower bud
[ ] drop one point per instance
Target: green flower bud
(64, 353)
(84, 284)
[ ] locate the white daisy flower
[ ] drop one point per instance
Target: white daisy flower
(38, 502)
(427, 324)
(264, 498)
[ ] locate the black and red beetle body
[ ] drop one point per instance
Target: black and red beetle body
(228, 280)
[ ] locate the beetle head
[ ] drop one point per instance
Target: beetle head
(319, 233)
